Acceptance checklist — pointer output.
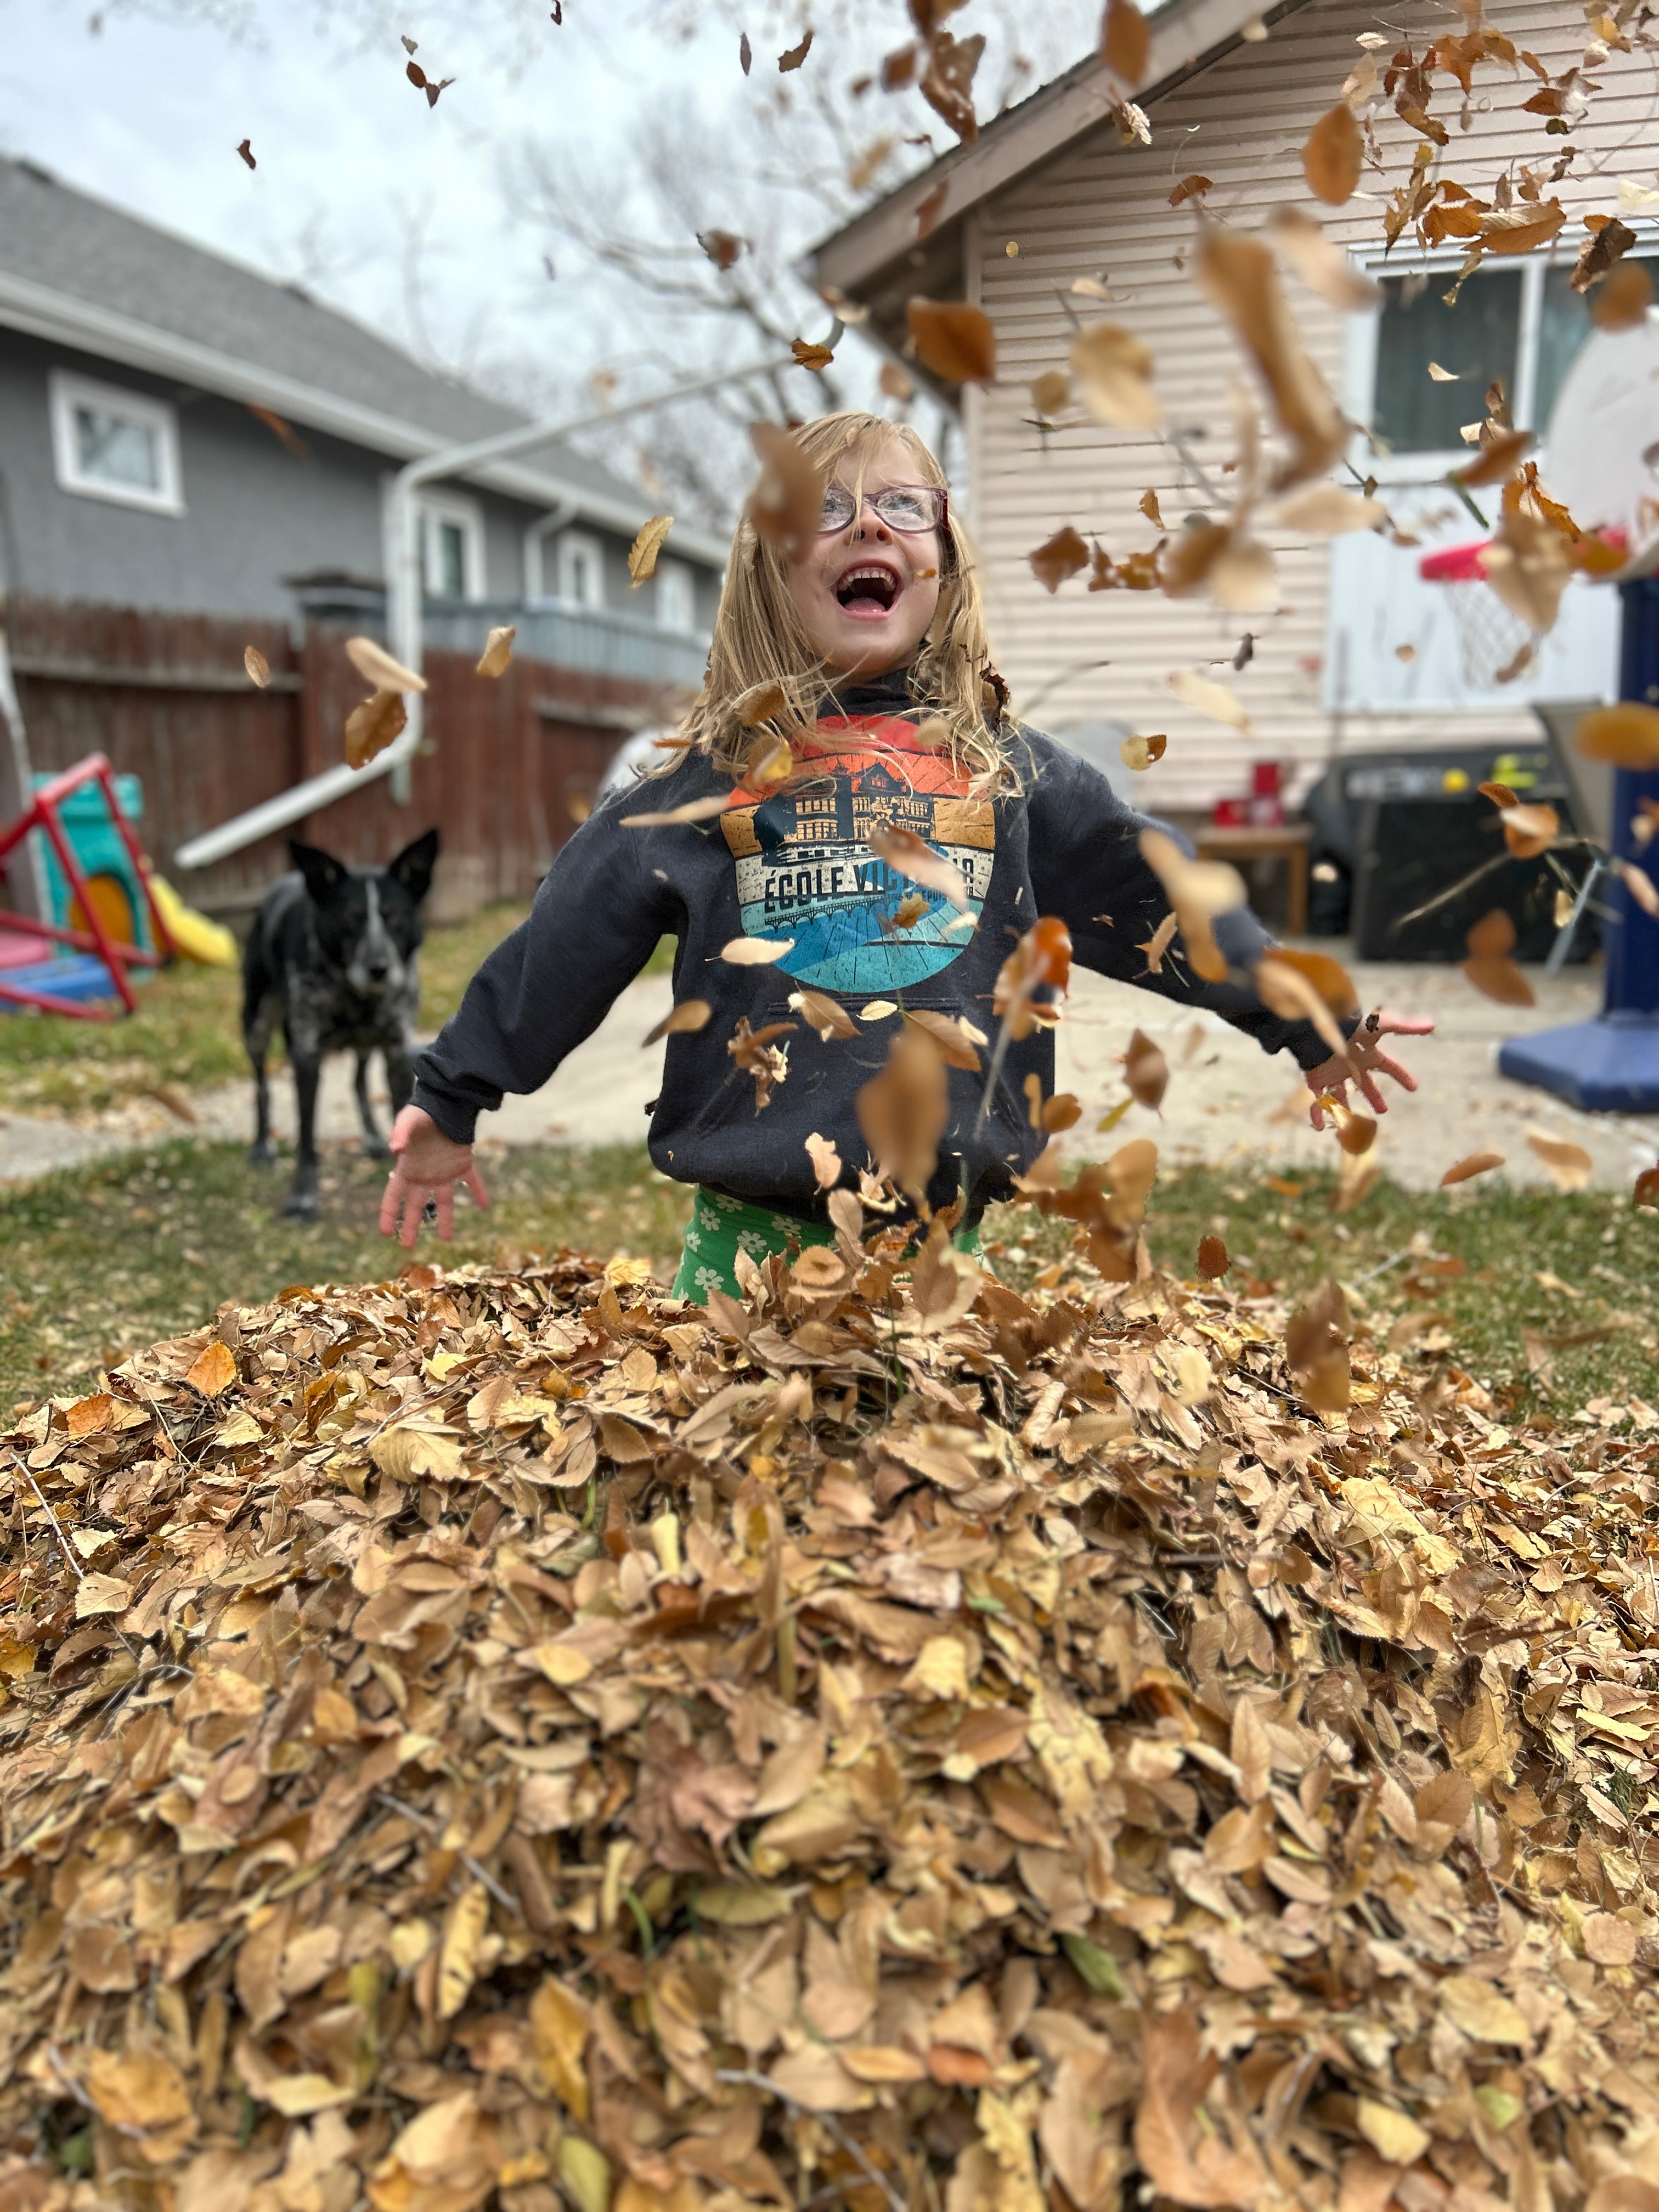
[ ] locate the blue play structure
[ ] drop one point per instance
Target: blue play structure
(1611, 1065)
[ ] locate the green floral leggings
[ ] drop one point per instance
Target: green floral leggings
(721, 1227)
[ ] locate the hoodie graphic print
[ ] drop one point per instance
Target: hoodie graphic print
(793, 866)
(805, 872)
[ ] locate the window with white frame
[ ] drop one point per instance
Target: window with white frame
(1419, 373)
(581, 569)
(676, 604)
(451, 547)
(111, 444)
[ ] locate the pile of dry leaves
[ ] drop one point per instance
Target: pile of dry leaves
(514, 1738)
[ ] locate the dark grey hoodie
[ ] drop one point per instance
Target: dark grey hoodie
(795, 867)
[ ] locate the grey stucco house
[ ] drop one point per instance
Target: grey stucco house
(180, 434)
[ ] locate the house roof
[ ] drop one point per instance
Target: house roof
(76, 268)
(877, 259)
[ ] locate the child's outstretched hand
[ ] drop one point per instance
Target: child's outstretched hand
(1364, 1062)
(428, 1167)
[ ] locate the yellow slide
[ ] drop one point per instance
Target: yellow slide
(194, 936)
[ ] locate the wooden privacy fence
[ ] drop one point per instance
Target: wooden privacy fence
(507, 768)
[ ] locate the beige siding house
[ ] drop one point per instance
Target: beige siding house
(1051, 192)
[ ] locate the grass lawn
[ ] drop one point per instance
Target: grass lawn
(1501, 1282)
(187, 1033)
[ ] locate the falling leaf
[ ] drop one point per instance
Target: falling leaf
(1126, 42)
(1051, 392)
(683, 1018)
(430, 86)
(761, 702)
(745, 58)
(912, 856)
(826, 1161)
(1321, 264)
(1442, 375)
(1640, 886)
(1157, 945)
(1237, 276)
(822, 1014)
(722, 247)
(1497, 462)
(808, 356)
(1332, 156)
(246, 149)
(1489, 966)
(1621, 301)
(1626, 735)
(1208, 698)
(929, 209)
(373, 726)
(1148, 506)
(902, 1111)
(1316, 1350)
(1061, 1112)
(786, 504)
(1285, 990)
(1114, 369)
(1530, 830)
(497, 655)
(755, 951)
(896, 381)
(793, 58)
(759, 1056)
(1145, 1070)
(1570, 1166)
(954, 339)
(376, 665)
(1212, 1261)
(690, 810)
(955, 1036)
(642, 553)
(258, 666)
(1474, 1164)
(1138, 753)
(1059, 557)
(213, 1371)
(1329, 510)
(1198, 890)
(1191, 187)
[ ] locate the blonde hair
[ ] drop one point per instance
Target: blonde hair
(759, 640)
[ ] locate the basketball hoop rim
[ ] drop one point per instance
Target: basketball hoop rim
(1456, 564)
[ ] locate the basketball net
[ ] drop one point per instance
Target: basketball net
(1494, 645)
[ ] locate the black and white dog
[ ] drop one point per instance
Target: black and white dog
(332, 957)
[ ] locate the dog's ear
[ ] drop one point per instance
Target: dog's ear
(324, 874)
(412, 869)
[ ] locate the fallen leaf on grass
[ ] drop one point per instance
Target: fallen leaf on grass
(213, 1371)
(497, 655)
(685, 1018)
(1473, 1164)
(1569, 1164)
(642, 553)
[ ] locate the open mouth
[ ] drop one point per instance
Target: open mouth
(868, 589)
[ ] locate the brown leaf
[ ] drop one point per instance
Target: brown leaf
(1212, 1261)
(1621, 301)
(755, 951)
(955, 1037)
(1490, 968)
(1125, 43)
(246, 149)
(376, 665)
(258, 666)
(1640, 886)
(1530, 830)
(685, 1018)
(1059, 557)
(825, 1015)
(1238, 278)
(793, 57)
(1331, 154)
(1497, 461)
(1113, 372)
(1626, 735)
(1198, 890)
(1137, 752)
(954, 339)
(1316, 1349)
(1145, 1070)
(1569, 1164)
(373, 726)
(826, 1161)
(1321, 264)
(1191, 187)
(213, 1369)
(1195, 2161)
(497, 655)
(642, 553)
(722, 247)
(1473, 1164)
(902, 1112)
(786, 505)
(809, 355)
(911, 856)
(896, 381)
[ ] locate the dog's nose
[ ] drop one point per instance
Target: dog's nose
(378, 971)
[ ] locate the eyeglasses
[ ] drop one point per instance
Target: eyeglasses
(908, 508)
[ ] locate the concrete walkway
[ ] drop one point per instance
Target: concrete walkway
(1226, 1100)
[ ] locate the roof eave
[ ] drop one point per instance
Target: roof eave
(1187, 36)
(59, 317)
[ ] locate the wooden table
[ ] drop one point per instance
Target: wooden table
(1286, 840)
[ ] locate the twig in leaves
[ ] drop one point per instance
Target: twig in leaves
(479, 1872)
(744, 2078)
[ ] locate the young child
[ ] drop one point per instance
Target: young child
(872, 646)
